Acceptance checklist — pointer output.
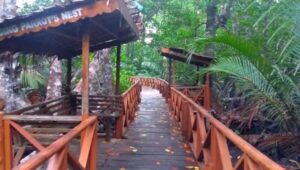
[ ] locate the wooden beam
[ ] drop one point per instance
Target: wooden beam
(104, 28)
(118, 69)
(36, 144)
(68, 37)
(43, 119)
(85, 74)
(19, 155)
(124, 11)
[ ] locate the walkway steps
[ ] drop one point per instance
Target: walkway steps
(153, 141)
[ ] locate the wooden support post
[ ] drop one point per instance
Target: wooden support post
(170, 78)
(2, 156)
(118, 69)
(207, 93)
(197, 76)
(85, 75)
(69, 75)
(173, 80)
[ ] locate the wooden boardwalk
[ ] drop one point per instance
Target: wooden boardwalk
(153, 141)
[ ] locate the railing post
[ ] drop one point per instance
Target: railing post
(5, 144)
(2, 156)
(183, 117)
(93, 152)
(120, 124)
(207, 93)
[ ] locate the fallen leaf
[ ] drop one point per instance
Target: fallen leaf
(168, 150)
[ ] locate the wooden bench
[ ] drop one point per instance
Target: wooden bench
(107, 108)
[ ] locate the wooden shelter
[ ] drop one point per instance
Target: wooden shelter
(59, 30)
(185, 56)
(196, 93)
(80, 27)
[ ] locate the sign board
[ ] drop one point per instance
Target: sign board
(39, 22)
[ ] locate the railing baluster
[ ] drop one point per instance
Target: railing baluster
(93, 151)
(220, 150)
(240, 163)
(86, 145)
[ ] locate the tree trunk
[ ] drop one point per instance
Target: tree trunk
(102, 83)
(54, 87)
(215, 21)
(100, 74)
(9, 84)
(211, 25)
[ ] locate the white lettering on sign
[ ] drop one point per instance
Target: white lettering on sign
(71, 14)
(40, 22)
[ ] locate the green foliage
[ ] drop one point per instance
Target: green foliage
(259, 79)
(30, 77)
(35, 6)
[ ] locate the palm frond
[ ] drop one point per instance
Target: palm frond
(243, 69)
(247, 49)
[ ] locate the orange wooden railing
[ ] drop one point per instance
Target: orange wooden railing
(208, 137)
(131, 99)
(196, 93)
(57, 155)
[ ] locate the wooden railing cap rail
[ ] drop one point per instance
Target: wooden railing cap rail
(41, 118)
(37, 105)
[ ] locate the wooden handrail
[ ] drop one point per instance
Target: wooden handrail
(20, 111)
(57, 152)
(57, 146)
(131, 99)
(247, 148)
(208, 136)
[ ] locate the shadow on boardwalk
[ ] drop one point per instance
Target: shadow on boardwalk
(154, 141)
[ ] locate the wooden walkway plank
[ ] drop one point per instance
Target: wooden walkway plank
(153, 141)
